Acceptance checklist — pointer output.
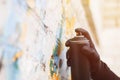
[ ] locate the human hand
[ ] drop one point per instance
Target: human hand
(88, 50)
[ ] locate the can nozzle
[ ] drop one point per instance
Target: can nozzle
(79, 38)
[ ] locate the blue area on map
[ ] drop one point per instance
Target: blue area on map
(10, 66)
(9, 50)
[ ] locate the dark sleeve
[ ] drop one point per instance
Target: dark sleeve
(104, 73)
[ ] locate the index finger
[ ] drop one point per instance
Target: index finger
(85, 33)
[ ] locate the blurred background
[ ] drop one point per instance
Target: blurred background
(33, 33)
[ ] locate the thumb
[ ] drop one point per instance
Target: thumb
(91, 53)
(87, 48)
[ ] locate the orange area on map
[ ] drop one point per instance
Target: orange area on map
(17, 55)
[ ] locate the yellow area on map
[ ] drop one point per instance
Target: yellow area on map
(23, 33)
(70, 24)
(17, 55)
(31, 3)
(68, 1)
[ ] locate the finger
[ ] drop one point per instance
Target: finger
(68, 53)
(86, 34)
(90, 53)
(68, 43)
(87, 50)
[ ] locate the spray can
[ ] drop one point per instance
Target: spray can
(80, 69)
